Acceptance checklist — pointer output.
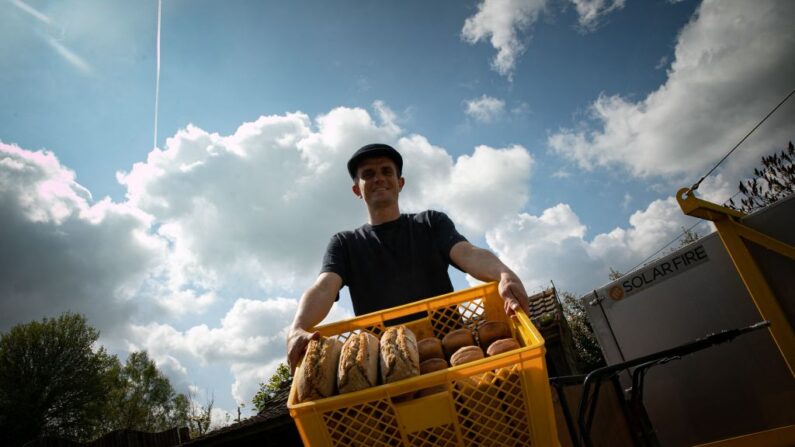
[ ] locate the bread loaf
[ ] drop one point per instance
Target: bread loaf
(399, 356)
(503, 345)
(457, 339)
(490, 331)
(465, 355)
(430, 348)
(317, 376)
(358, 367)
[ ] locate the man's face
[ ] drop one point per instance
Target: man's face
(377, 181)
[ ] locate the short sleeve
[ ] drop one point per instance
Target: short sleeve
(335, 259)
(445, 233)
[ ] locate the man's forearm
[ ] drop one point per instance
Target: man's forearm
(481, 264)
(316, 302)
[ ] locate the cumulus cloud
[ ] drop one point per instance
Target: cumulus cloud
(209, 214)
(250, 339)
(229, 205)
(477, 190)
(485, 109)
(555, 246)
(732, 64)
(590, 12)
(501, 22)
(61, 252)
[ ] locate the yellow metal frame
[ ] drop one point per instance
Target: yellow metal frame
(733, 234)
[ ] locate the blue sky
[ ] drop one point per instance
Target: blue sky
(562, 157)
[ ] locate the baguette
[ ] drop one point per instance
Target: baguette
(400, 358)
(358, 366)
(317, 377)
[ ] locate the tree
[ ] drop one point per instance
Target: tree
(143, 398)
(281, 378)
(52, 380)
(614, 274)
(774, 181)
(200, 417)
(690, 236)
(589, 356)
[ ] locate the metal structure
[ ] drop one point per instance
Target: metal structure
(734, 234)
(739, 393)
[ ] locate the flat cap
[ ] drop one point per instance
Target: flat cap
(374, 150)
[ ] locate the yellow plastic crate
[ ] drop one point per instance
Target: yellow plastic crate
(503, 400)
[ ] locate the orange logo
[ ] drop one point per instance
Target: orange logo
(616, 293)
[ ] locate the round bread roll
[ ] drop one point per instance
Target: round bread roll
(431, 365)
(317, 376)
(492, 330)
(430, 348)
(399, 356)
(358, 367)
(457, 339)
(503, 345)
(466, 354)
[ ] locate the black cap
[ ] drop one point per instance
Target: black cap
(375, 150)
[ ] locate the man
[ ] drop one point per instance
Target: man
(395, 258)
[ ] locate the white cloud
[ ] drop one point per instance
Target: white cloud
(732, 65)
(63, 253)
(477, 190)
(485, 109)
(250, 339)
(554, 246)
(590, 12)
(501, 22)
(211, 214)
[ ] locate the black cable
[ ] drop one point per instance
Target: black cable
(698, 183)
(664, 247)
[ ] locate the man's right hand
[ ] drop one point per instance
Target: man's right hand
(297, 339)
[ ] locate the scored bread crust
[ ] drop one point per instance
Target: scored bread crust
(465, 355)
(317, 377)
(399, 356)
(502, 345)
(358, 367)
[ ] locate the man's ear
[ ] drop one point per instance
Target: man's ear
(356, 190)
(401, 182)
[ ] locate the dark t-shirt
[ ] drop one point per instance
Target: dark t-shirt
(394, 263)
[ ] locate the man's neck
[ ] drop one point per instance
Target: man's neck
(384, 215)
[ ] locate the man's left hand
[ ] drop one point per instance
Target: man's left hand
(513, 294)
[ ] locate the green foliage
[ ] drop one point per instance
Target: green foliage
(774, 181)
(52, 380)
(614, 274)
(279, 379)
(589, 356)
(143, 399)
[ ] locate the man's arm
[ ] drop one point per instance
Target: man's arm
(315, 304)
(485, 266)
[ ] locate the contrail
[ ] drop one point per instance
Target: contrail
(31, 10)
(157, 78)
(70, 56)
